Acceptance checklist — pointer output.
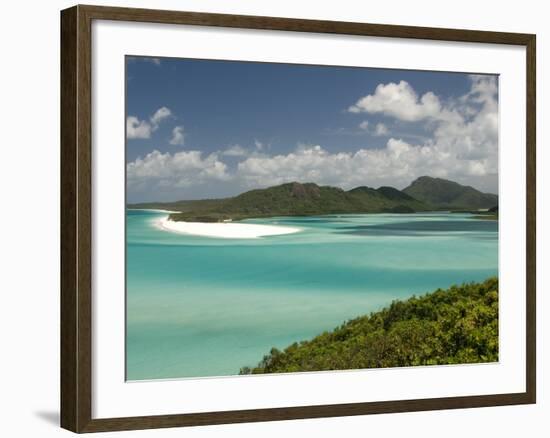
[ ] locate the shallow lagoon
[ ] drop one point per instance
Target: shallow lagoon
(199, 306)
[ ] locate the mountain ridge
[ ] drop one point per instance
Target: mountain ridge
(444, 193)
(306, 199)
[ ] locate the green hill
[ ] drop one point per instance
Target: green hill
(457, 325)
(294, 199)
(304, 199)
(447, 194)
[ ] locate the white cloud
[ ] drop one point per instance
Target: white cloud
(313, 163)
(381, 130)
(178, 170)
(364, 125)
(235, 151)
(160, 115)
(178, 136)
(397, 165)
(463, 147)
(400, 101)
(259, 145)
(484, 88)
(136, 128)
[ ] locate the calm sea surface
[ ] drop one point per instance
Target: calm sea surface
(200, 306)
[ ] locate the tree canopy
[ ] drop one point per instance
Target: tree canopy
(452, 326)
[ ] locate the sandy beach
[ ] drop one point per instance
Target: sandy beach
(226, 230)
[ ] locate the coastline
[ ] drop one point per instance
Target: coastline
(224, 230)
(155, 210)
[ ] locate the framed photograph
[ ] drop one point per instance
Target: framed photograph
(269, 218)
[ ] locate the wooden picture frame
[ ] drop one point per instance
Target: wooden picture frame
(76, 218)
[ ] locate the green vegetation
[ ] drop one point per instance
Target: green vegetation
(296, 199)
(293, 199)
(453, 326)
(449, 195)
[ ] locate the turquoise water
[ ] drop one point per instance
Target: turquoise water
(200, 306)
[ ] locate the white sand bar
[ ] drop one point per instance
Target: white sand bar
(225, 230)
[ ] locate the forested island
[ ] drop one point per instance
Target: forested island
(453, 326)
(305, 199)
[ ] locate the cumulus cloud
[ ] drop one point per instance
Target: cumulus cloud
(402, 102)
(344, 169)
(463, 145)
(136, 128)
(484, 89)
(160, 115)
(178, 136)
(178, 170)
(397, 165)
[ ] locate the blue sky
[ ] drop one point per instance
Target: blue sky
(201, 128)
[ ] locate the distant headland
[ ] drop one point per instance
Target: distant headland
(307, 199)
